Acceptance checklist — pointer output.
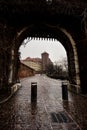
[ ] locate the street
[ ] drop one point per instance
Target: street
(19, 113)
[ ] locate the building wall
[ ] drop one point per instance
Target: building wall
(25, 71)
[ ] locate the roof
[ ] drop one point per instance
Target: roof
(45, 53)
(33, 65)
(27, 66)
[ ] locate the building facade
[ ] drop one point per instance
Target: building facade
(39, 65)
(25, 71)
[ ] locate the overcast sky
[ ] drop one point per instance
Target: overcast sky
(34, 48)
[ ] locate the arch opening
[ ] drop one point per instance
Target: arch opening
(60, 34)
(44, 55)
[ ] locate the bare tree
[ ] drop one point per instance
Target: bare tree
(65, 64)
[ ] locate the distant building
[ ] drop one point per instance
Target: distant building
(34, 65)
(25, 71)
(36, 60)
(39, 65)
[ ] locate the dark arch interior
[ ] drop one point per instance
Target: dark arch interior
(48, 31)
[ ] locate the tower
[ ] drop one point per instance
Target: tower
(45, 60)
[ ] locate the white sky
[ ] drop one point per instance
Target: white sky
(34, 48)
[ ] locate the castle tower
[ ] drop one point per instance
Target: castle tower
(45, 61)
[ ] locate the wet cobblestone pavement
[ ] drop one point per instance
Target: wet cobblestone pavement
(20, 114)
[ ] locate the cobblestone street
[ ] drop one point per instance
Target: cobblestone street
(49, 113)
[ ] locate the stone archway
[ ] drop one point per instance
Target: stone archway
(49, 31)
(63, 20)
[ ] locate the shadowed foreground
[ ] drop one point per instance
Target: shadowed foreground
(49, 113)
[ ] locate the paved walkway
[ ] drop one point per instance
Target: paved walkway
(49, 113)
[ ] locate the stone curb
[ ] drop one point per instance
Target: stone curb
(79, 94)
(14, 88)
